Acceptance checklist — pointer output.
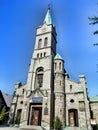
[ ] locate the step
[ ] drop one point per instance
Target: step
(31, 128)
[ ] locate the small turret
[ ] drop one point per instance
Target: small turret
(59, 87)
(59, 73)
(82, 78)
(58, 64)
(18, 85)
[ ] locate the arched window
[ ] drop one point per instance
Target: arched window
(73, 117)
(60, 66)
(40, 55)
(60, 82)
(44, 54)
(70, 88)
(55, 66)
(91, 114)
(23, 91)
(45, 41)
(39, 43)
(39, 77)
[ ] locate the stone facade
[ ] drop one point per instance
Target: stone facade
(49, 91)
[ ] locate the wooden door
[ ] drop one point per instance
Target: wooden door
(71, 118)
(36, 117)
(18, 116)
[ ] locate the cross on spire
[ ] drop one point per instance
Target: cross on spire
(49, 6)
(48, 18)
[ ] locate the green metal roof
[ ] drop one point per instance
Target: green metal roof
(80, 90)
(18, 83)
(81, 76)
(94, 99)
(48, 19)
(58, 57)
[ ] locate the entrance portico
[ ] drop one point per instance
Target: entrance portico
(35, 115)
(35, 111)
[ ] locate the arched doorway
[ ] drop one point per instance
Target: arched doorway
(35, 111)
(73, 117)
(18, 117)
(36, 115)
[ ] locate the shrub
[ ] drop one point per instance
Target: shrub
(57, 123)
(96, 126)
(2, 114)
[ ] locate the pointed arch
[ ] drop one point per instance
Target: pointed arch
(45, 41)
(39, 43)
(39, 77)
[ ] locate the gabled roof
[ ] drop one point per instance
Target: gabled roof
(94, 99)
(7, 98)
(48, 18)
(58, 57)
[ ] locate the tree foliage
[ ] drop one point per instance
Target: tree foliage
(96, 126)
(57, 123)
(94, 21)
(2, 114)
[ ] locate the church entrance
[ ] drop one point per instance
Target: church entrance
(36, 114)
(35, 111)
(18, 117)
(73, 117)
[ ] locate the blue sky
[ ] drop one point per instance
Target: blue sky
(18, 22)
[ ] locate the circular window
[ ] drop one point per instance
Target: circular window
(72, 101)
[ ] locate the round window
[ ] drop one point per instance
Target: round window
(72, 101)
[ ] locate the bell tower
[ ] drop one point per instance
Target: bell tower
(40, 82)
(45, 44)
(44, 52)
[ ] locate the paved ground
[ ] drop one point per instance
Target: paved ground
(8, 128)
(14, 128)
(17, 128)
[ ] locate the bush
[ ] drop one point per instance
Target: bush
(57, 123)
(2, 114)
(96, 126)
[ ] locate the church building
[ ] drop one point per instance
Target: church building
(49, 91)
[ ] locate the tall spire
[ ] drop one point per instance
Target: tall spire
(48, 19)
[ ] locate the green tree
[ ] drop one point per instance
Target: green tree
(97, 126)
(94, 21)
(57, 123)
(2, 114)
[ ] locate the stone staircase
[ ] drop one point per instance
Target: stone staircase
(74, 128)
(31, 128)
